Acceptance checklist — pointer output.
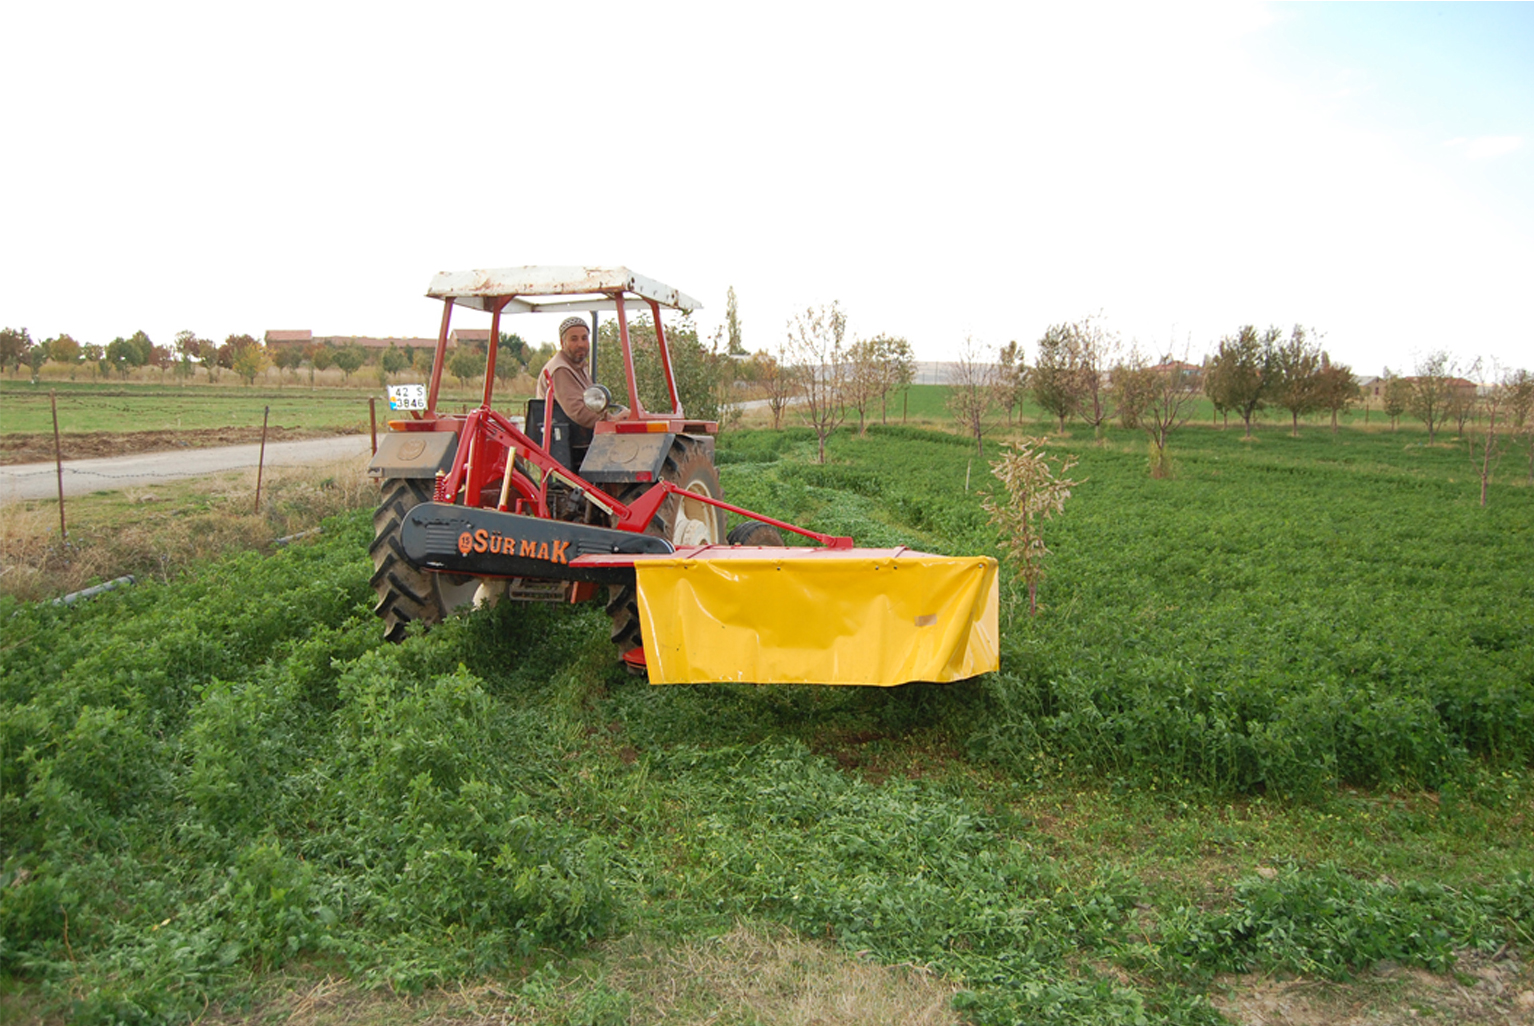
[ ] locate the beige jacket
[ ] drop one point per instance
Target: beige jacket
(567, 382)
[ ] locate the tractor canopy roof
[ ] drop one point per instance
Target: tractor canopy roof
(553, 289)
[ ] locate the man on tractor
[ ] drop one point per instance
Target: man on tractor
(566, 379)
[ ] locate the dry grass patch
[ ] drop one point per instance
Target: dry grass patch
(156, 531)
(1484, 989)
(769, 975)
(758, 975)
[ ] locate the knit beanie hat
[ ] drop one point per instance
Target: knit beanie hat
(565, 325)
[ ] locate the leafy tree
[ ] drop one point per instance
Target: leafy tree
(163, 358)
(1520, 398)
(63, 349)
(1336, 387)
(36, 357)
(544, 352)
(124, 354)
(1241, 375)
(1036, 491)
(1395, 396)
(349, 358)
(727, 379)
(95, 357)
(899, 364)
(878, 366)
(393, 361)
(1011, 378)
(232, 347)
(288, 358)
(513, 351)
(249, 361)
(207, 356)
(732, 323)
(815, 340)
(321, 357)
(465, 363)
(507, 368)
(695, 369)
(1432, 391)
(15, 345)
(1296, 366)
(972, 386)
(1134, 384)
(1057, 378)
(117, 356)
(142, 348)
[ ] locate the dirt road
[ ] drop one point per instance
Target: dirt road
(81, 477)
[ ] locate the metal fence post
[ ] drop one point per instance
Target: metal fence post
(261, 460)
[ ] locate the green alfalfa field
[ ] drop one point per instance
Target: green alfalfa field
(1273, 726)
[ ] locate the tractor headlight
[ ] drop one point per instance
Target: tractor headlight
(597, 398)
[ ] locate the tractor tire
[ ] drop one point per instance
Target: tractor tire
(754, 532)
(689, 466)
(405, 592)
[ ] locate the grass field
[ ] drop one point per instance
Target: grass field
(110, 406)
(1274, 722)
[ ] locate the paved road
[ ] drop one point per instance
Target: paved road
(81, 477)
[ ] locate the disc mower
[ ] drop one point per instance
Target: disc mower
(483, 506)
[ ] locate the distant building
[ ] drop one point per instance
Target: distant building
(279, 339)
(468, 336)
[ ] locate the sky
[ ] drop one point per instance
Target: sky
(948, 173)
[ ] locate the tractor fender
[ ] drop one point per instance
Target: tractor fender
(621, 458)
(413, 454)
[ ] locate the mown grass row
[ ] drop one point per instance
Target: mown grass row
(205, 780)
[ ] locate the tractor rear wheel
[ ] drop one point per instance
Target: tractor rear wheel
(680, 520)
(405, 592)
(754, 532)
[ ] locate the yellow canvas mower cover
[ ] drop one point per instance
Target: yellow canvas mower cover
(816, 616)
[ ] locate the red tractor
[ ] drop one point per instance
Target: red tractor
(481, 506)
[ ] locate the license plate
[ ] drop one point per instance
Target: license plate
(407, 397)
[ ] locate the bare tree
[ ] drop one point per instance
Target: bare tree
(1096, 349)
(1432, 391)
(1175, 388)
(862, 380)
(1036, 491)
(1485, 452)
(972, 390)
(776, 381)
(1463, 398)
(899, 364)
(815, 343)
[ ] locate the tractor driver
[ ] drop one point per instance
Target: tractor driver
(566, 378)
